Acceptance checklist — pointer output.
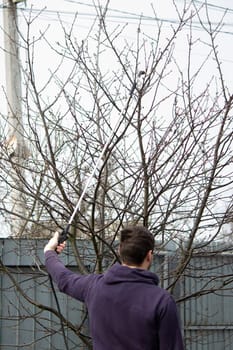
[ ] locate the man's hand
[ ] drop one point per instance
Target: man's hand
(53, 244)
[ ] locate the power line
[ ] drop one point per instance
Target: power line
(217, 7)
(131, 13)
(130, 16)
(122, 16)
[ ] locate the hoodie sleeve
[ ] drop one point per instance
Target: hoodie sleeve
(68, 282)
(170, 337)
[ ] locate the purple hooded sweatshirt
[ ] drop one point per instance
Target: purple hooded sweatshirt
(127, 309)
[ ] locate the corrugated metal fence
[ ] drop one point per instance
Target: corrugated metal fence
(208, 315)
(29, 317)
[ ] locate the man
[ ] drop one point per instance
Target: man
(127, 309)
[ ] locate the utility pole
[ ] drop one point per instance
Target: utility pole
(15, 141)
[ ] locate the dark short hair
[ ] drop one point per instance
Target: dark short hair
(135, 242)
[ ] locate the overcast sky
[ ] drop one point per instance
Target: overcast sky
(129, 11)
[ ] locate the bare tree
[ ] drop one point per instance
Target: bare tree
(168, 165)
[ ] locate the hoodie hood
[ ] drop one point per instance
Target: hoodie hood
(121, 274)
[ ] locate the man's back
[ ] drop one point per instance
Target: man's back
(127, 309)
(122, 310)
